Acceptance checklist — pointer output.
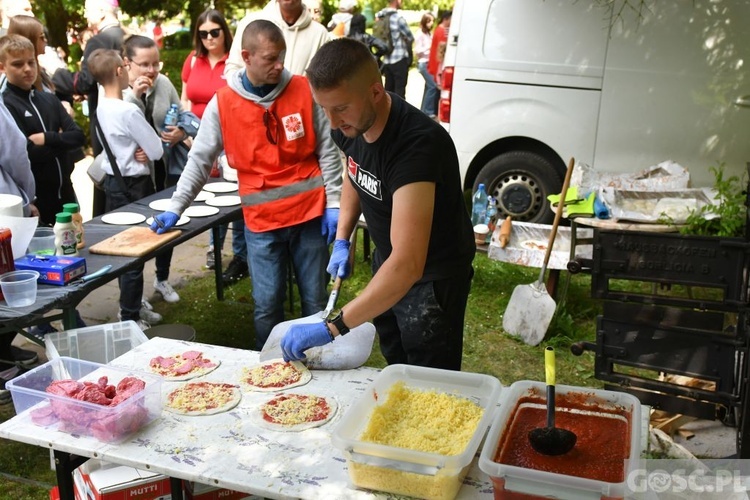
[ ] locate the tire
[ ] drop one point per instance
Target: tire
(520, 182)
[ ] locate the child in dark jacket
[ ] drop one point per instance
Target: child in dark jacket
(51, 133)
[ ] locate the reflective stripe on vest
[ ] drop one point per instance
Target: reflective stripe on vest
(269, 195)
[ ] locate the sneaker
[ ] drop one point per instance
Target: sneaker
(148, 314)
(23, 356)
(166, 291)
(210, 262)
(236, 270)
(4, 377)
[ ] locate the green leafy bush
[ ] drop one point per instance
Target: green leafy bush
(729, 209)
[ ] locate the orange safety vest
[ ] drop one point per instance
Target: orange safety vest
(280, 184)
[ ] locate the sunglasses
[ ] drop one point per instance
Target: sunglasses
(214, 33)
(272, 127)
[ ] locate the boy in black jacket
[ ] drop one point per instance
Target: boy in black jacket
(51, 133)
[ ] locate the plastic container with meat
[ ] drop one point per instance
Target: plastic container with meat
(89, 399)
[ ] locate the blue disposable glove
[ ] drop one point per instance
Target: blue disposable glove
(329, 222)
(300, 338)
(164, 222)
(338, 264)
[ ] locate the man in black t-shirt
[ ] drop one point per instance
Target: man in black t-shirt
(403, 175)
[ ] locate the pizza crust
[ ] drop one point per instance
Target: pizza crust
(234, 400)
(195, 373)
(256, 417)
(305, 376)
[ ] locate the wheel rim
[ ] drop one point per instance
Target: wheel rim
(518, 195)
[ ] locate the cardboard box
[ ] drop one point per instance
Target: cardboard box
(53, 269)
(200, 491)
(98, 480)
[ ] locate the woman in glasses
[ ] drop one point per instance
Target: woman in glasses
(154, 94)
(203, 70)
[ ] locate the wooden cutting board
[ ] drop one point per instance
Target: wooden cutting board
(133, 242)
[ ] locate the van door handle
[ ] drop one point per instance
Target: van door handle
(743, 101)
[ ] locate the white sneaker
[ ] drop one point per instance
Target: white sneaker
(148, 314)
(166, 291)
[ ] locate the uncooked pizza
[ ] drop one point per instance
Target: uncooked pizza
(295, 412)
(275, 375)
(185, 366)
(203, 398)
(535, 244)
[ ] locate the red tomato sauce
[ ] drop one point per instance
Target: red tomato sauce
(602, 446)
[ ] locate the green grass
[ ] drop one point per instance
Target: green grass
(487, 349)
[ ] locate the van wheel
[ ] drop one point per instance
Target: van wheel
(520, 182)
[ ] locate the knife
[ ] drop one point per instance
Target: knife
(99, 272)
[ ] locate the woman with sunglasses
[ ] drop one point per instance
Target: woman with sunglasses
(203, 70)
(202, 76)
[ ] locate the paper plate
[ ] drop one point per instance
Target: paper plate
(123, 218)
(200, 211)
(220, 187)
(180, 222)
(204, 195)
(224, 201)
(160, 205)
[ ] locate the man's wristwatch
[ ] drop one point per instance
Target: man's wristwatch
(338, 322)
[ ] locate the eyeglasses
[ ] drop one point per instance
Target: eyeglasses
(214, 33)
(272, 127)
(149, 66)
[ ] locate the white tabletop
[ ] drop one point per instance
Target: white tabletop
(227, 450)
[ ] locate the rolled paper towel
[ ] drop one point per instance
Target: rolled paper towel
(11, 205)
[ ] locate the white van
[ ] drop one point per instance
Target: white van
(530, 83)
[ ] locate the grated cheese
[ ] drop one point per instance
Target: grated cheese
(426, 421)
(295, 409)
(200, 396)
(272, 375)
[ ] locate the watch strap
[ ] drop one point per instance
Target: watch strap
(338, 322)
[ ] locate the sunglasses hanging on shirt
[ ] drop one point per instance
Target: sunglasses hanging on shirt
(214, 33)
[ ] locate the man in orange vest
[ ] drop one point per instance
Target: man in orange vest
(289, 173)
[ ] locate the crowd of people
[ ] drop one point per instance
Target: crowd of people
(312, 121)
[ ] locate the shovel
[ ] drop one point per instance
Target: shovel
(346, 352)
(530, 308)
(551, 440)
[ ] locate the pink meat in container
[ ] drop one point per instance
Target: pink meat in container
(87, 399)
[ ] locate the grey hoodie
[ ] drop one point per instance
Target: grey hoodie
(15, 170)
(209, 143)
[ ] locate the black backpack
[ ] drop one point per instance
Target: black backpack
(381, 30)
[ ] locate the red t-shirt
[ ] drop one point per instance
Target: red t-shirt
(202, 81)
(433, 64)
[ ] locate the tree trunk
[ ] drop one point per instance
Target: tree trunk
(56, 19)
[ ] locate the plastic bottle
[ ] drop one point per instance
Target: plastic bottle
(74, 210)
(65, 234)
(170, 119)
(479, 206)
(491, 217)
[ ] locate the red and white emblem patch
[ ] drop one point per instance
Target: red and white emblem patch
(293, 126)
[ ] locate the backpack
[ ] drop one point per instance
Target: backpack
(381, 29)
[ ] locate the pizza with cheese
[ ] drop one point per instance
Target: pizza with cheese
(203, 398)
(535, 244)
(185, 366)
(275, 375)
(294, 412)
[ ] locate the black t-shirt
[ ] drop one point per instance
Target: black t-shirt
(412, 148)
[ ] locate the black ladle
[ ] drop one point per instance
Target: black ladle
(551, 440)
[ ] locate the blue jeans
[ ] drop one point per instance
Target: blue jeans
(239, 245)
(431, 92)
(268, 257)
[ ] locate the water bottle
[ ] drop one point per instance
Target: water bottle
(491, 217)
(479, 206)
(170, 119)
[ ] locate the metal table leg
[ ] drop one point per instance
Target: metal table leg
(65, 464)
(217, 264)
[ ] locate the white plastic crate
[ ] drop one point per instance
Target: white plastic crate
(99, 344)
